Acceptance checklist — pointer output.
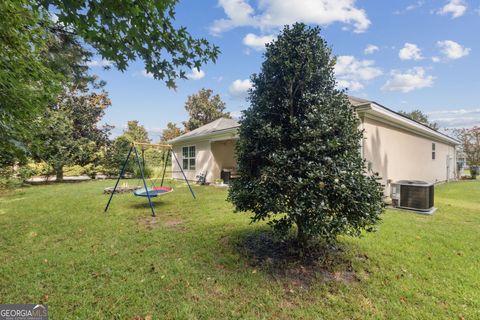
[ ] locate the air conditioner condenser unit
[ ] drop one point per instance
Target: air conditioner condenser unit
(413, 195)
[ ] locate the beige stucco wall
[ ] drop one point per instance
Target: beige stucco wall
(211, 157)
(397, 154)
(204, 160)
(224, 156)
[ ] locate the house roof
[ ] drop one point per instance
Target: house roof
(225, 126)
(394, 117)
(213, 128)
(355, 101)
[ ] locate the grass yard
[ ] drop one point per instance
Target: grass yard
(58, 247)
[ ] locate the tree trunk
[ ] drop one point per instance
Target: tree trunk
(59, 173)
(302, 237)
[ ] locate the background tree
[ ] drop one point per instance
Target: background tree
(298, 149)
(470, 146)
(172, 131)
(136, 132)
(76, 112)
(29, 80)
(204, 107)
(32, 72)
(126, 30)
(54, 140)
(421, 117)
(67, 133)
(115, 156)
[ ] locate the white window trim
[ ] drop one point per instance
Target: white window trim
(181, 150)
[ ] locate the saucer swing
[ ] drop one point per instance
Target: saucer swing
(152, 191)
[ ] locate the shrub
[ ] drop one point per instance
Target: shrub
(74, 171)
(148, 172)
(8, 179)
(299, 146)
(40, 168)
(474, 171)
(25, 172)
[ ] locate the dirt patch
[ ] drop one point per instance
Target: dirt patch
(148, 222)
(155, 222)
(173, 222)
(282, 260)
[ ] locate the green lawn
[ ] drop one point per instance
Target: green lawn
(57, 246)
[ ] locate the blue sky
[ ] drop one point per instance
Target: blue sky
(403, 54)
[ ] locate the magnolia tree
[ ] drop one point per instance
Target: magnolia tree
(299, 146)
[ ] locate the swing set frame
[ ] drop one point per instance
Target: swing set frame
(133, 149)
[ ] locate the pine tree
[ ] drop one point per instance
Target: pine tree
(299, 146)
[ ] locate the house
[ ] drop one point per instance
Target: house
(395, 146)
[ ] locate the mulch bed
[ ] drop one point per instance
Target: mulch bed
(282, 260)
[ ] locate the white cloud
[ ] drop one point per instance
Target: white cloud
(352, 73)
(236, 114)
(454, 7)
(196, 74)
(146, 74)
(99, 63)
(257, 42)
(410, 80)
(239, 14)
(436, 59)
(273, 14)
(410, 51)
(239, 88)
(371, 48)
(452, 50)
(411, 7)
(455, 118)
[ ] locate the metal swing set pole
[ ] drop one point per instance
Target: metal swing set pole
(132, 148)
(183, 173)
(119, 177)
(165, 162)
(140, 166)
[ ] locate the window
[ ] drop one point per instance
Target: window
(188, 156)
(433, 151)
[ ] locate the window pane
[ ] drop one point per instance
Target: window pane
(192, 152)
(433, 155)
(185, 152)
(192, 164)
(185, 164)
(433, 146)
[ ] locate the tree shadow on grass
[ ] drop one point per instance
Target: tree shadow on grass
(284, 260)
(145, 205)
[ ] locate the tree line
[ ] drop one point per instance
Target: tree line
(49, 102)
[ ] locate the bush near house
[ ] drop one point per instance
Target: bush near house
(298, 148)
(474, 171)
